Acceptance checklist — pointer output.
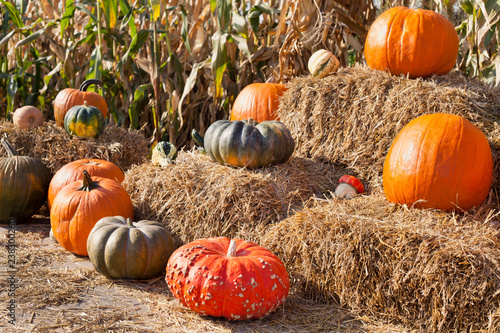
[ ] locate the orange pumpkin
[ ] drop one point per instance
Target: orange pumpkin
(234, 279)
(258, 101)
(73, 171)
(69, 97)
(27, 117)
(414, 42)
(80, 204)
(439, 161)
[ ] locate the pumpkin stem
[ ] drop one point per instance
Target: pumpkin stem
(129, 223)
(11, 151)
(199, 140)
(87, 183)
(252, 122)
(232, 248)
(90, 82)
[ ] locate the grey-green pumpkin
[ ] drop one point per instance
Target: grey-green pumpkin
(24, 183)
(121, 249)
(249, 144)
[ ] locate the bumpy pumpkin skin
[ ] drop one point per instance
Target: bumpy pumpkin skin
(121, 249)
(27, 117)
(24, 182)
(73, 171)
(414, 42)
(258, 101)
(80, 204)
(236, 279)
(441, 159)
(247, 144)
(69, 97)
(84, 121)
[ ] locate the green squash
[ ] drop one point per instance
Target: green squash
(121, 249)
(24, 183)
(249, 144)
(84, 121)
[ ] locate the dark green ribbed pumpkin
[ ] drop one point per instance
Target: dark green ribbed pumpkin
(249, 144)
(84, 121)
(122, 249)
(24, 182)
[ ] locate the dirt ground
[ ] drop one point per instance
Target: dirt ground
(58, 291)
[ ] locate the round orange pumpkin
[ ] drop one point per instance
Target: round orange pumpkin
(69, 97)
(439, 161)
(234, 279)
(73, 171)
(413, 42)
(258, 101)
(27, 117)
(80, 204)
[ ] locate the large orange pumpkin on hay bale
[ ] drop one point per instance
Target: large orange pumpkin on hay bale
(234, 279)
(81, 204)
(69, 97)
(413, 42)
(258, 101)
(439, 161)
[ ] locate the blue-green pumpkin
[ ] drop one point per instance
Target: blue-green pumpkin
(84, 121)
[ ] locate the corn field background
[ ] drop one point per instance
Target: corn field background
(171, 66)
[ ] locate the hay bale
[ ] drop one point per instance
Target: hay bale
(197, 197)
(55, 147)
(352, 117)
(429, 270)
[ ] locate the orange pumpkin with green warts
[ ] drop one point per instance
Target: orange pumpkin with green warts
(69, 97)
(439, 161)
(258, 101)
(73, 171)
(234, 279)
(413, 42)
(80, 204)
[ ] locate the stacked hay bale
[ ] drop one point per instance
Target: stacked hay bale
(427, 269)
(197, 198)
(55, 147)
(352, 117)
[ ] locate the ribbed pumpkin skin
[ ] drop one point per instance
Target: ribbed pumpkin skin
(414, 42)
(77, 208)
(258, 101)
(23, 186)
(84, 121)
(27, 117)
(442, 159)
(322, 63)
(239, 143)
(73, 171)
(69, 97)
(120, 251)
(248, 284)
